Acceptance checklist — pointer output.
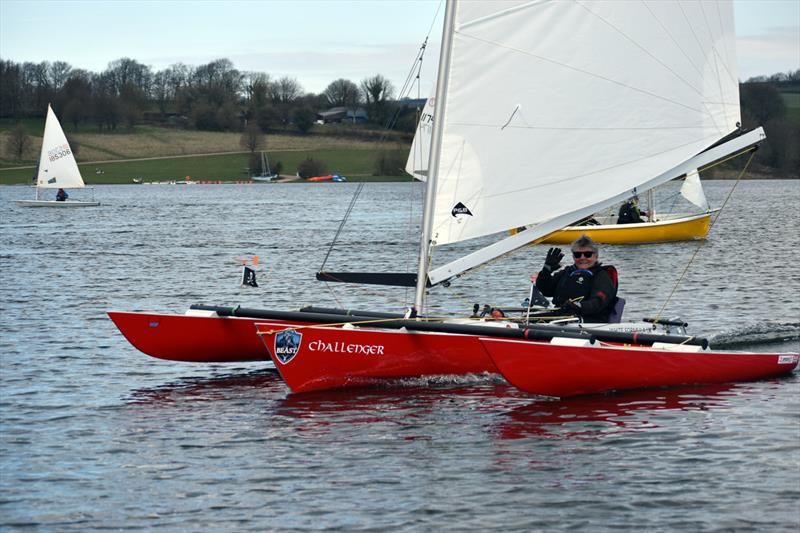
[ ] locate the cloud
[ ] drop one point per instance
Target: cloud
(315, 69)
(775, 50)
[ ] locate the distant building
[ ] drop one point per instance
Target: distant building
(342, 114)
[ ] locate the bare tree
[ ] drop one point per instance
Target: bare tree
(76, 97)
(377, 91)
(283, 93)
(18, 142)
(129, 72)
(257, 89)
(285, 90)
(12, 89)
(343, 93)
(252, 139)
(59, 74)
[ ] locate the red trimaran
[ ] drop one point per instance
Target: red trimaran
(546, 112)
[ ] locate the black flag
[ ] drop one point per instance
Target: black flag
(249, 276)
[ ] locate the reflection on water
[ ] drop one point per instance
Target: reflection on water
(517, 415)
(216, 388)
(598, 416)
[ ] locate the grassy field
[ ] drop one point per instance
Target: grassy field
(792, 101)
(354, 163)
(174, 154)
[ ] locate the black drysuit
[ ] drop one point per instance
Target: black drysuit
(597, 286)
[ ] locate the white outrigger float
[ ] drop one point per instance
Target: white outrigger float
(57, 168)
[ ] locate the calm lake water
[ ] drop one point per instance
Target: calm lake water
(95, 435)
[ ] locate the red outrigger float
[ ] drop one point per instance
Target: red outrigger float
(208, 334)
(191, 338)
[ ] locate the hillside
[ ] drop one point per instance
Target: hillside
(154, 153)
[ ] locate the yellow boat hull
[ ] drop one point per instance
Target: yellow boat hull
(680, 229)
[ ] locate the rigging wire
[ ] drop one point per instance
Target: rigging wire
(389, 125)
(702, 243)
(412, 78)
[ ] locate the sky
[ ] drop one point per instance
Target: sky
(313, 41)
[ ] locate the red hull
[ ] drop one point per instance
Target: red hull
(194, 339)
(331, 357)
(564, 371)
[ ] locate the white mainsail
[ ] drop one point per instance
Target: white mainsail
(57, 166)
(555, 108)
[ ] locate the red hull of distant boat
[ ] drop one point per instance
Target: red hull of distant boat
(333, 357)
(563, 371)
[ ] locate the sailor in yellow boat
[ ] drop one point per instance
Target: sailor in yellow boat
(586, 288)
(629, 212)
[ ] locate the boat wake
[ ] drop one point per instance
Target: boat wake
(482, 378)
(757, 334)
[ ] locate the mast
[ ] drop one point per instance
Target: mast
(435, 152)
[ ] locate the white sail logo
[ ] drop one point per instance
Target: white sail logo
(460, 209)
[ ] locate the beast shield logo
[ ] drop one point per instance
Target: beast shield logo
(460, 209)
(287, 343)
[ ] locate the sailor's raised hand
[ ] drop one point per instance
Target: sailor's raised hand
(553, 259)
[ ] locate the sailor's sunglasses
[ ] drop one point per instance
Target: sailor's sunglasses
(577, 255)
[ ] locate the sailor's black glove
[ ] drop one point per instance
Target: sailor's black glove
(553, 259)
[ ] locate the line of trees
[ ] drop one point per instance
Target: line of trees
(214, 96)
(762, 104)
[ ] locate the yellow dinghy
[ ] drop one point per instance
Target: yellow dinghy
(666, 228)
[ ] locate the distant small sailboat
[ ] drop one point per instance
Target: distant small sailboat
(57, 168)
(266, 174)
